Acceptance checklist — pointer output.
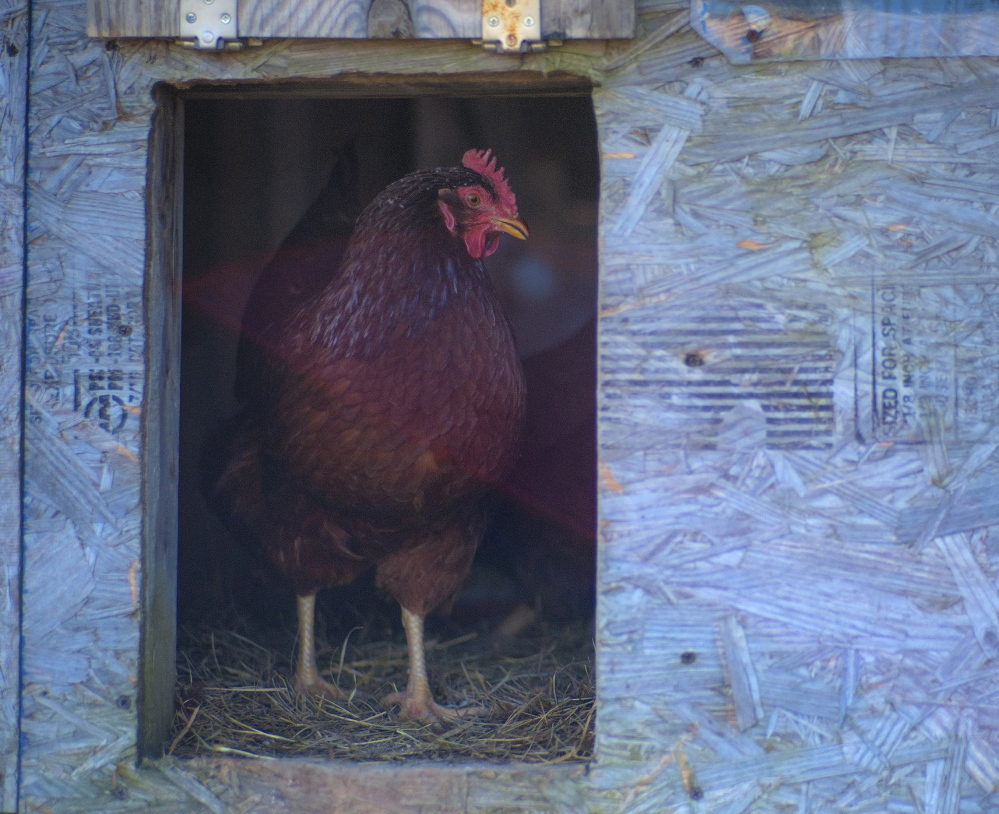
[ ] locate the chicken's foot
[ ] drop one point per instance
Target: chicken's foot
(416, 702)
(307, 678)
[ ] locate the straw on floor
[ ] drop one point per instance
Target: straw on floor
(234, 697)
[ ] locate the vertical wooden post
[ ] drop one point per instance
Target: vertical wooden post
(161, 419)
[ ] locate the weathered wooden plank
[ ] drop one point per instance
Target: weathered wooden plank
(315, 786)
(304, 18)
(584, 19)
(291, 18)
(431, 19)
(123, 18)
(362, 85)
(161, 420)
(13, 99)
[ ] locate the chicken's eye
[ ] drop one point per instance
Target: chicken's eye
(472, 199)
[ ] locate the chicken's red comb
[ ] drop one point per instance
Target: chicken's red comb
(484, 163)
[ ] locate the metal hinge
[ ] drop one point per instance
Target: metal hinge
(512, 26)
(210, 24)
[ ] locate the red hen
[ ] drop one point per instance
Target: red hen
(389, 407)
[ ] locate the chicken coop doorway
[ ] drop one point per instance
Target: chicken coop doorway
(268, 173)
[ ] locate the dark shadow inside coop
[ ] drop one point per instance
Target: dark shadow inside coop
(278, 183)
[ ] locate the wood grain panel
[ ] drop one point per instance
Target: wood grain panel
(348, 19)
(342, 19)
(432, 19)
(447, 19)
(161, 422)
(587, 19)
(127, 18)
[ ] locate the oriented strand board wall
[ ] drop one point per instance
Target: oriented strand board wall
(798, 425)
(798, 429)
(13, 98)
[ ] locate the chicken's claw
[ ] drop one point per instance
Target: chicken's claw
(316, 687)
(422, 707)
(416, 702)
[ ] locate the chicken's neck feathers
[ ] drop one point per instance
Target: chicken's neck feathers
(397, 282)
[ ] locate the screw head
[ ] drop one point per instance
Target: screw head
(529, 22)
(191, 17)
(493, 21)
(226, 19)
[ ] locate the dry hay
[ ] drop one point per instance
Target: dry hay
(234, 697)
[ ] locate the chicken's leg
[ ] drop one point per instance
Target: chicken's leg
(416, 701)
(307, 678)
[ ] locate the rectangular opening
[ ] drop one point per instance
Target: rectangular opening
(269, 170)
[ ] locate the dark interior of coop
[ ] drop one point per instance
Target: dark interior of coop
(267, 174)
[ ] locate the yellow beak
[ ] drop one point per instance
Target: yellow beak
(512, 226)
